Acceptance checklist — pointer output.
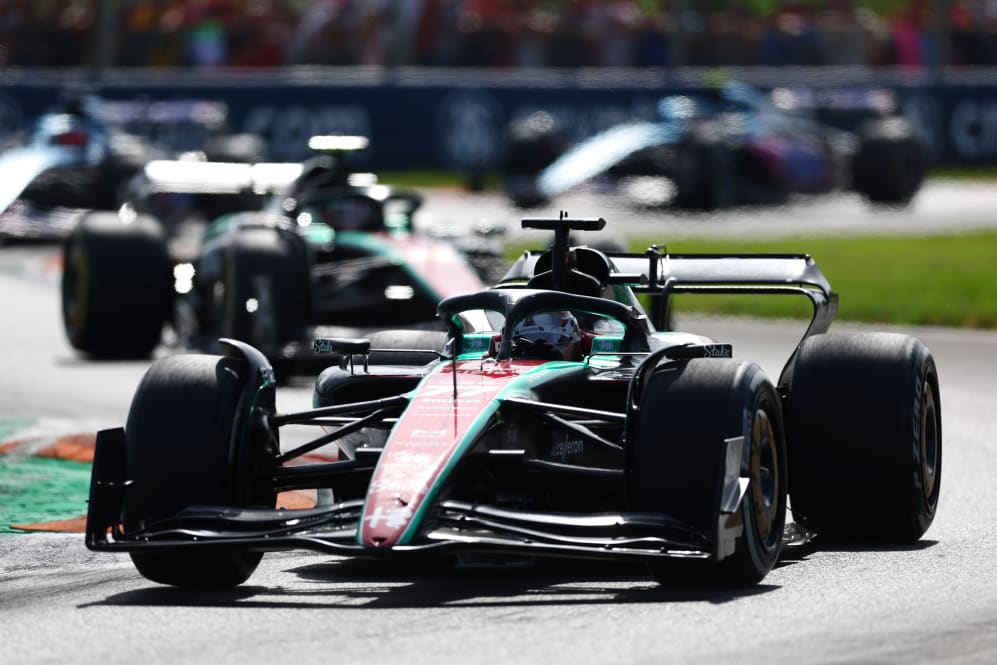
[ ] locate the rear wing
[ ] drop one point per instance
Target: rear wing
(179, 176)
(661, 275)
(191, 176)
(774, 274)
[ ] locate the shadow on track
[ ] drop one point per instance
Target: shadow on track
(362, 584)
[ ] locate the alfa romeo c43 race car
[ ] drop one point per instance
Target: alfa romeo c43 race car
(329, 249)
(552, 420)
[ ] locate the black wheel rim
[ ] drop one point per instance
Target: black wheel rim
(929, 445)
(765, 480)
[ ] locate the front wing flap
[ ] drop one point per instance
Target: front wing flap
(460, 528)
(455, 526)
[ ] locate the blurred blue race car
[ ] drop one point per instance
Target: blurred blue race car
(730, 146)
(85, 154)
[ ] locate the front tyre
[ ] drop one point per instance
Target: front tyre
(677, 463)
(178, 437)
(865, 437)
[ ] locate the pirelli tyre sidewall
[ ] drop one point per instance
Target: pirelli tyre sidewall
(184, 448)
(115, 286)
(265, 292)
(676, 464)
(865, 437)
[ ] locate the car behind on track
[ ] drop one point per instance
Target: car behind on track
(730, 146)
(277, 251)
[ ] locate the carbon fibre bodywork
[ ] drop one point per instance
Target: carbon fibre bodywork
(486, 447)
(270, 253)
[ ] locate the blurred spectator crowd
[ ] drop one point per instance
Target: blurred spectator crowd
(494, 33)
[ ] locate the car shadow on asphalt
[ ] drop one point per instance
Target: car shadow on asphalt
(362, 584)
(825, 546)
(798, 554)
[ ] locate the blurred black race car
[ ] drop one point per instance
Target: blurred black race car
(276, 251)
(729, 146)
(552, 419)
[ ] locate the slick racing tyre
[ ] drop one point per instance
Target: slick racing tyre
(890, 164)
(405, 347)
(677, 459)
(402, 347)
(865, 437)
(706, 177)
(247, 148)
(178, 435)
(531, 145)
(116, 290)
(267, 293)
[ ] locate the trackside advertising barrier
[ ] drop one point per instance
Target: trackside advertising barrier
(456, 120)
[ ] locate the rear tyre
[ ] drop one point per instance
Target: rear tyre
(678, 459)
(267, 294)
(116, 291)
(178, 438)
(865, 437)
(531, 145)
(706, 179)
(890, 164)
(404, 347)
(247, 148)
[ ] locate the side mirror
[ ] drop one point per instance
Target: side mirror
(345, 346)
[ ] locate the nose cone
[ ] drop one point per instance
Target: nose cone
(428, 440)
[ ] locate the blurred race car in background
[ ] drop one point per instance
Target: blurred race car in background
(83, 156)
(283, 249)
(551, 419)
(730, 146)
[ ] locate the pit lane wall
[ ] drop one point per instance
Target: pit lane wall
(437, 119)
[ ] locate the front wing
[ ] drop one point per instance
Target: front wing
(456, 527)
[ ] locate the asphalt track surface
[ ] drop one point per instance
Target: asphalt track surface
(932, 602)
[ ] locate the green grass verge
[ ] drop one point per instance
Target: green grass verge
(492, 180)
(38, 489)
(945, 280)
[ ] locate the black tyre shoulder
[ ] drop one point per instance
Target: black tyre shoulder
(179, 440)
(676, 463)
(865, 440)
(115, 286)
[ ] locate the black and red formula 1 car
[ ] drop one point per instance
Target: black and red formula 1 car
(555, 422)
(272, 254)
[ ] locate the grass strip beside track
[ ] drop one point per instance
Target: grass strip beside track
(937, 280)
(492, 180)
(45, 488)
(40, 490)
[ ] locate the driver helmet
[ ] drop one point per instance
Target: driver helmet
(548, 335)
